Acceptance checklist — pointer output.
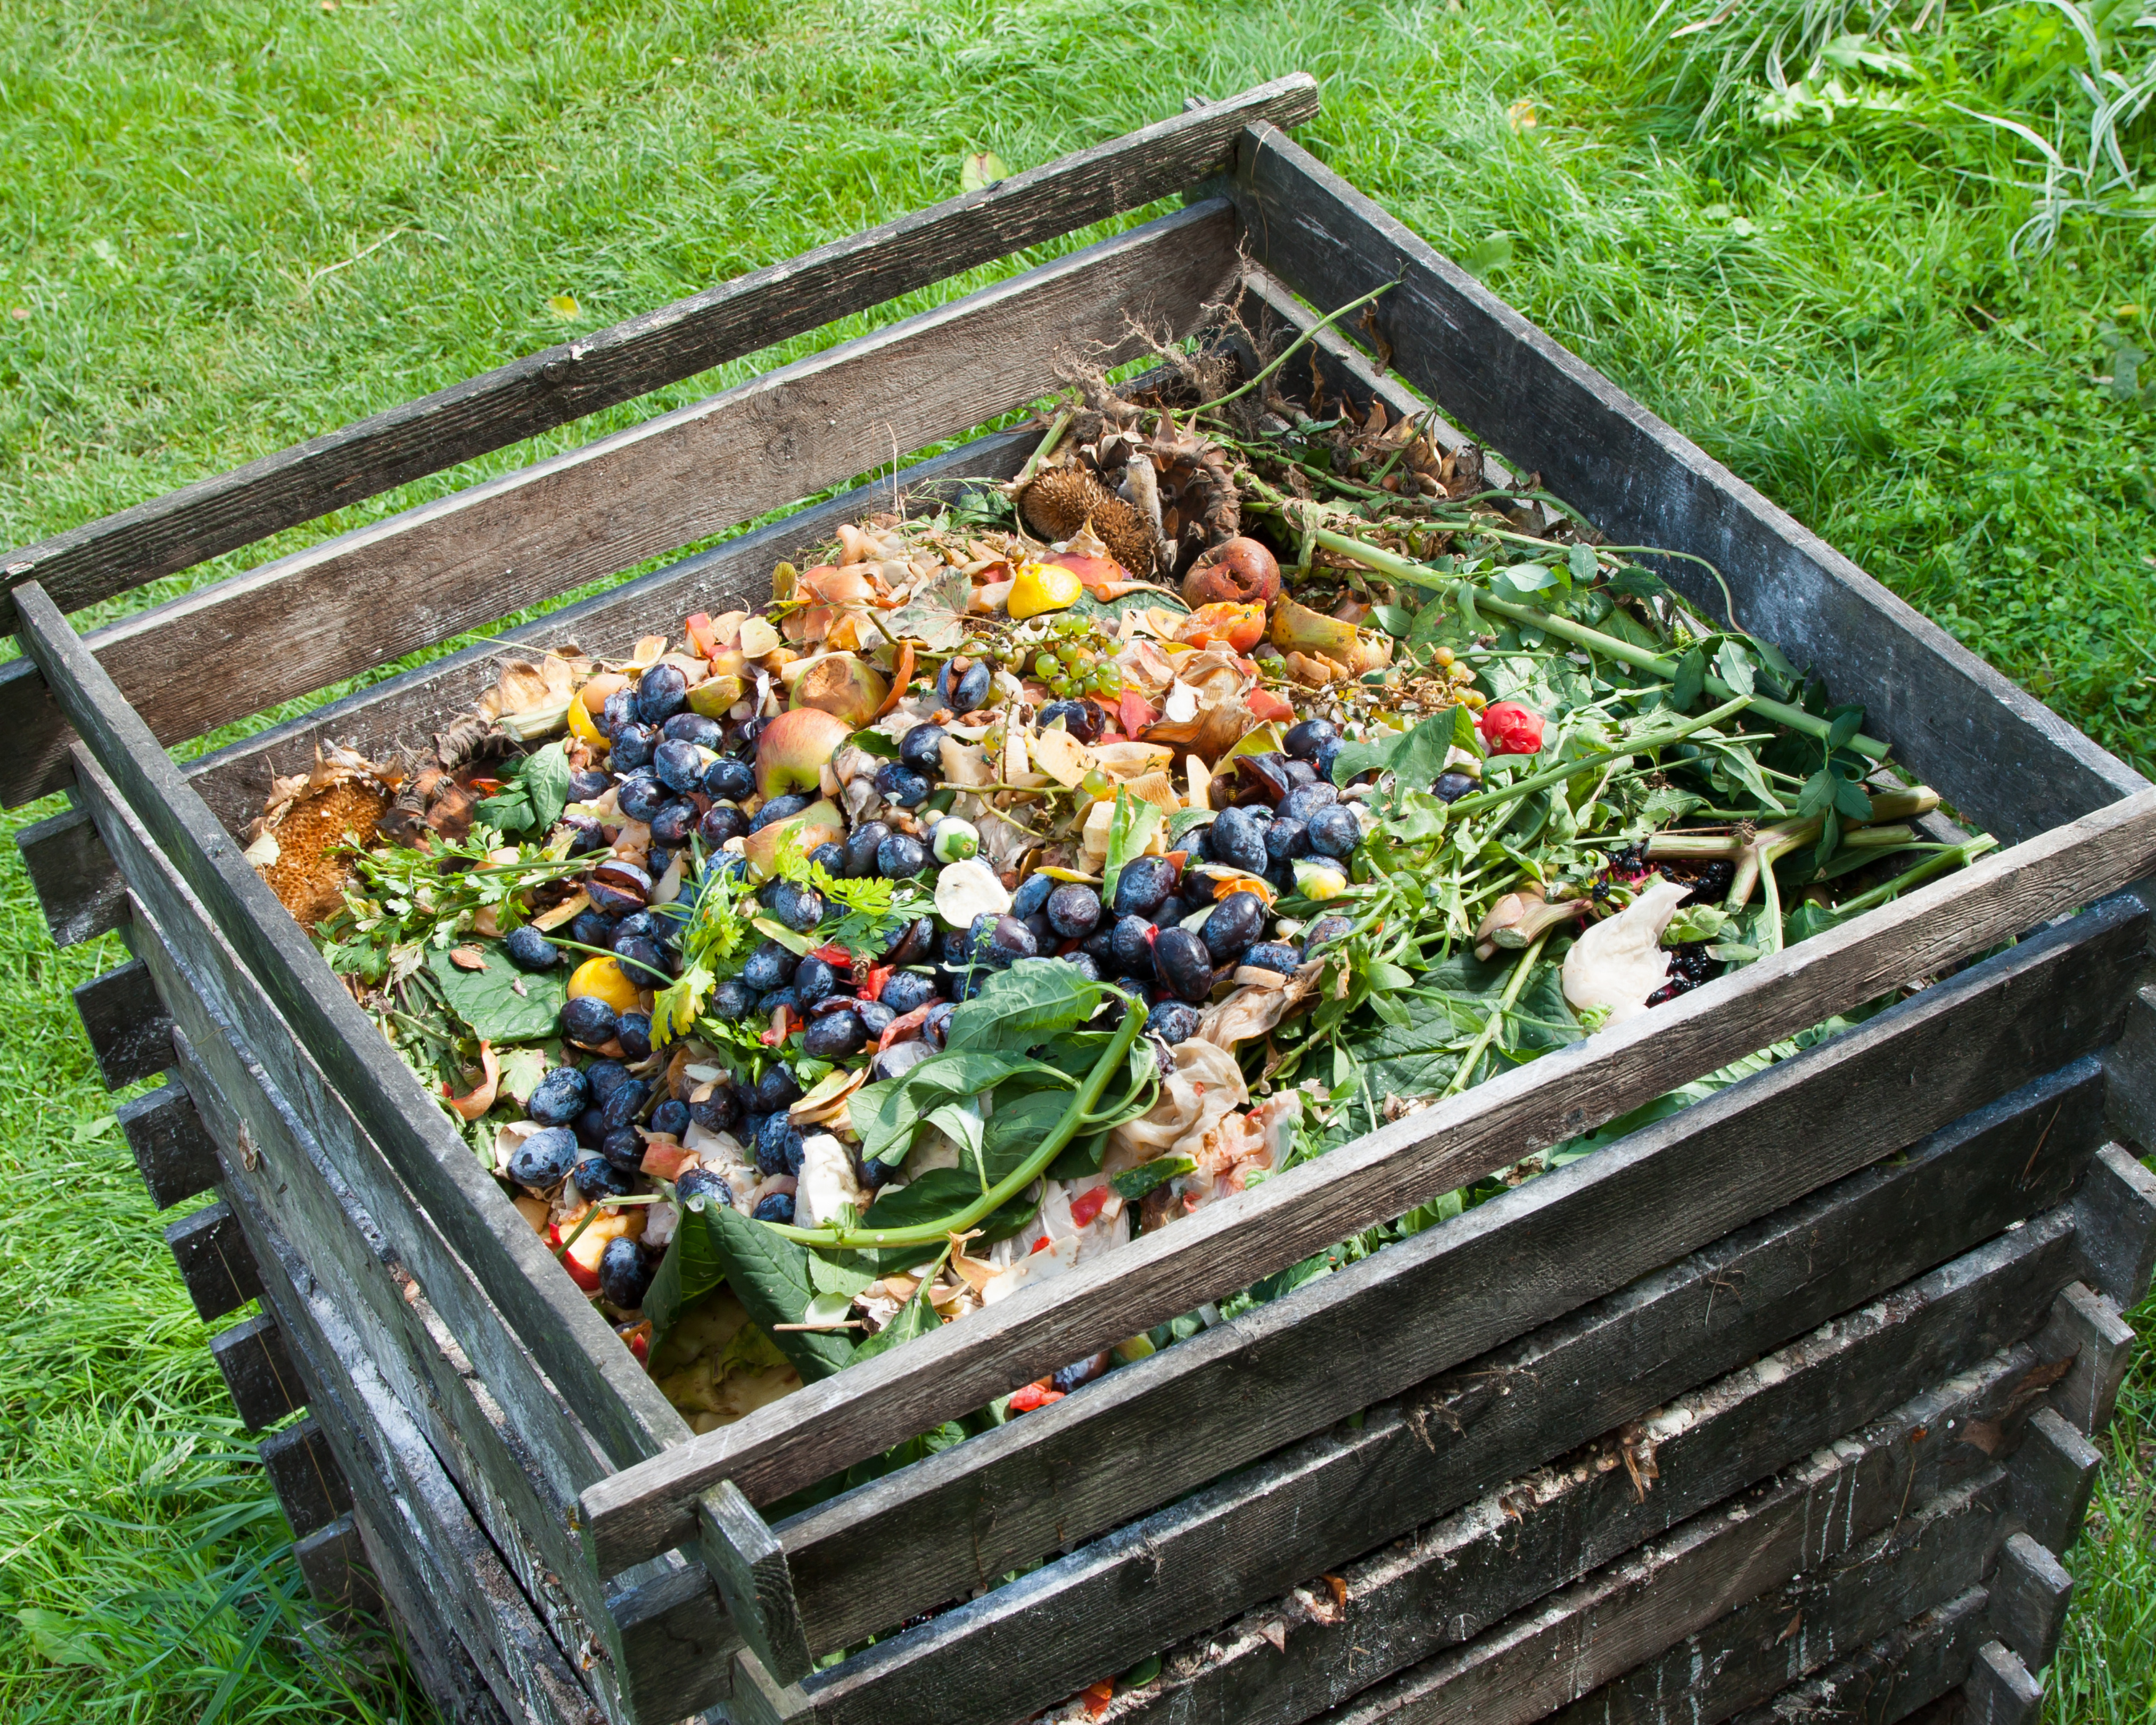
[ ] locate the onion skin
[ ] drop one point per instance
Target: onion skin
(1239, 571)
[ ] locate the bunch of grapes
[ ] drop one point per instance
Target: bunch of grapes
(1072, 668)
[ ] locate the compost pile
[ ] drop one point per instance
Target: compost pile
(1045, 868)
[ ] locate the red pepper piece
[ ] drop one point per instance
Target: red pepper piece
(1097, 1696)
(1086, 1205)
(1034, 1395)
(871, 986)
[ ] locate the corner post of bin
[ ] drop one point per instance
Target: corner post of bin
(748, 1565)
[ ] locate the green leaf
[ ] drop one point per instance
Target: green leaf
(1817, 795)
(768, 1273)
(1580, 559)
(961, 1122)
(1465, 735)
(1844, 727)
(916, 1317)
(1830, 837)
(983, 168)
(1396, 620)
(1025, 1005)
(1695, 922)
(1129, 832)
(1407, 753)
(829, 1275)
(1134, 1184)
(1015, 1130)
(1187, 820)
(1690, 679)
(1849, 801)
(501, 1003)
(1637, 583)
(886, 1115)
(1735, 666)
(544, 780)
(509, 810)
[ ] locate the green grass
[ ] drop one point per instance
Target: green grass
(231, 225)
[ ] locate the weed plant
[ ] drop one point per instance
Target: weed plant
(1810, 234)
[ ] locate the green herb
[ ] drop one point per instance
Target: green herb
(1130, 831)
(535, 794)
(501, 1003)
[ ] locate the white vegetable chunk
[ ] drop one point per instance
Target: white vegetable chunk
(1619, 962)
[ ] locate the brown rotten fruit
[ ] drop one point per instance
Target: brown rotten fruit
(1239, 571)
(844, 686)
(792, 750)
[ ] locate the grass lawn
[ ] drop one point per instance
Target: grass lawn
(232, 223)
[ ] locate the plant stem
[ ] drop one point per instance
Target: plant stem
(1564, 628)
(1639, 746)
(1289, 352)
(1958, 857)
(1042, 451)
(1517, 981)
(922, 1233)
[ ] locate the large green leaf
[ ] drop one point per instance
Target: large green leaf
(768, 1273)
(501, 1003)
(886, 1115)
(1022, 1007)
(940, 1192)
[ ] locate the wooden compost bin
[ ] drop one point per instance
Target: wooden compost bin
(1778, 1407)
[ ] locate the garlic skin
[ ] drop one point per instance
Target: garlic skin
(1619, 961)
(970, 889)
(826, 1182)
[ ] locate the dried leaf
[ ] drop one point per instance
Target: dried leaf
(985, 168)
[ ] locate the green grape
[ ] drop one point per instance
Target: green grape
(1045, 666)
(1073, 657)
(1064, 688)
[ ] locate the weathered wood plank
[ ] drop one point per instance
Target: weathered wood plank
(77, 886)
(173, 1153)
(519, 1492)
(1346, 1491)
(1683, 1586)
(1997, 753)
(1451, 1579)
(258, 1370)
(1227, 1245)
(2132, 1068)
(2030, 1591)
(421, 1543)
(214, 1262)
(129, 1031)
(303, 1470)
(2117, 1228)
(410, 708)
(1413, 1309)
(335, 1566)
(559, 1328)
(1999, 1691)
(1738, 1658)
(467, 559)
(2103, 1341)
(2053, 1472)
(748, 1564)
(565, 382)
(1900, 1675)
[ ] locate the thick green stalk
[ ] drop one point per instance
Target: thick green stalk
(1639, 746)
(1565, 629)
(1960, 856)
(1291, 351)
(1066, 1129)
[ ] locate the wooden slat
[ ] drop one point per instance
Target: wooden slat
(1997, 753)
(1451, 1579)
(516, 1466)
(2104, 1344)
(1900, 1675)
(421, 1543)
(1346, 1491)
(2054, 1471)
(1999, 1690)
(746, 1560)
(78, 888)
(129, 1031)
(562, 1333)
(258, 1371)
(334, 1564)
(2132, 1068)
(410, 708)
(1172, 1422)
(2030, 1591)
(344, 606)
(549, 389)
(303, 1470)
(2119, 1226)
(213, 1261)
(1738, 1658)
(1229, 1245)
(172, 1152)
(1589, 1633)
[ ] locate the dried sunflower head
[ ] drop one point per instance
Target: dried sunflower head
(309, 818)
(1059, 501)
